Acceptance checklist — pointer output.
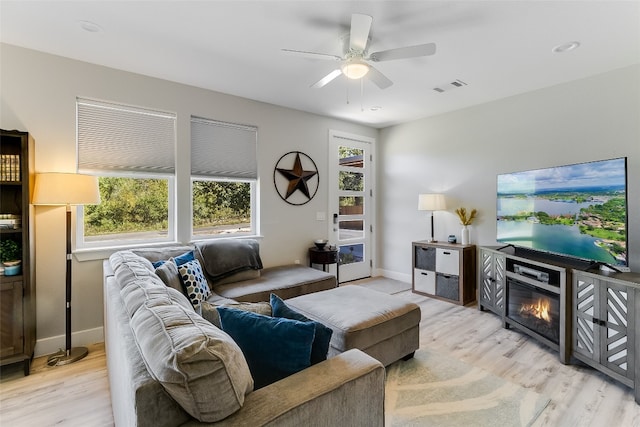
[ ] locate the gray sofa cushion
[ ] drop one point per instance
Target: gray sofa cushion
(128, 266)
(140, 292)
(238, 277)
(199, 365)
(286, 281)
(139, 285)
(359, 317)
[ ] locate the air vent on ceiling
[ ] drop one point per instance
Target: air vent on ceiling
(448, 86)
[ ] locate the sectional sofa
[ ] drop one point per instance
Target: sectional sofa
(168, 366)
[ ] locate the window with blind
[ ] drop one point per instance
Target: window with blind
(132, 151)
(224, 176)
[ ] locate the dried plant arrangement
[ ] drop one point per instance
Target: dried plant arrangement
(462, 215)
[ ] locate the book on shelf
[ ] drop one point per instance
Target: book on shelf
(10, 221)
(10, 167)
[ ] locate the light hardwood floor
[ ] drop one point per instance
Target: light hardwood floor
(78, 394)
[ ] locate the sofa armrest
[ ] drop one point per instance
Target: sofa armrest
(345, 390)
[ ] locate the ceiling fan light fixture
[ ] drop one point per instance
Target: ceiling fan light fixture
(355, 69)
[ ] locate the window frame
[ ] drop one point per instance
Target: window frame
(254, 223)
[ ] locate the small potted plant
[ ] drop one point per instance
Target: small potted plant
(10, 254)
(465, 221)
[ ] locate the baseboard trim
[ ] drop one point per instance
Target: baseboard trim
(395, 275)
(50, 345)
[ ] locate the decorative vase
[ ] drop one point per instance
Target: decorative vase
(464, 235)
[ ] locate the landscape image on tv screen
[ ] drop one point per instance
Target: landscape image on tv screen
(576, 210)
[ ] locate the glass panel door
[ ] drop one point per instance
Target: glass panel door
(350, 197)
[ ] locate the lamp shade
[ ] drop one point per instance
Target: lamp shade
(355, 69)
(53, 188)
(431, 202)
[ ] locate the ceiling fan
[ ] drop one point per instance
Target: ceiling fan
(355, 63)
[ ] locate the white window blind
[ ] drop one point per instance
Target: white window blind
(121, 138)
(223, 150)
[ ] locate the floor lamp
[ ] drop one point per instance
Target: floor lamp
(66, 189)
(431, 202)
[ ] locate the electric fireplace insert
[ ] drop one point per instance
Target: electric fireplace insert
(535, 309)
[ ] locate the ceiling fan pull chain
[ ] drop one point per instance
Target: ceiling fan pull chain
(362, 95)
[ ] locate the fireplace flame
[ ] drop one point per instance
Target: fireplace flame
(539, 309)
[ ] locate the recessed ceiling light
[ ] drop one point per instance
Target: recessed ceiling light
(89, 26)
(376, 108)
(566, 47)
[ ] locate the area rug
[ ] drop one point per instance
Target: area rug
(437, 390)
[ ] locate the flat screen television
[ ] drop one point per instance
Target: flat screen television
(577, 210)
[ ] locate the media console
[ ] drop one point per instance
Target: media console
(589, 316)
(529, 295)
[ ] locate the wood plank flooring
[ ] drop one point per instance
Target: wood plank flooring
(70, 395)
(78, 394)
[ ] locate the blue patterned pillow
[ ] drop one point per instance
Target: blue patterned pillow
(195, 285)
(274, 347)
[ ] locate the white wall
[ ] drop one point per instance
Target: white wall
(460, 154)
(38, 96)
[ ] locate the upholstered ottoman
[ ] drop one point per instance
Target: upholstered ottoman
(384, 326)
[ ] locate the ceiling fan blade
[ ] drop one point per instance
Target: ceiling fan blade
(378, 78)
(312, 55)
(360, 27)
(404, 52)
(326, 79)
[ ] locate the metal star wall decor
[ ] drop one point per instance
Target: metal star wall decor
(298, 184)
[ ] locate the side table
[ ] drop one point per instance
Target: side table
(325, 256)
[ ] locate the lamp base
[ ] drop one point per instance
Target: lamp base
(62, 358)
(432, 240)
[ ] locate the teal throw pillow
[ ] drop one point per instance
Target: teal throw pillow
(195, 285)
(273, 347)
(179, 260)
(184, 258)
(320, 345)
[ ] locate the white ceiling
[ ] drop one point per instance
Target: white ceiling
(499, 48)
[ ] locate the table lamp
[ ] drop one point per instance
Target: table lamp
(431, 202)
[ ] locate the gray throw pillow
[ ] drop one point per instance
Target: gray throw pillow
(210, 311)
(168, 273)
